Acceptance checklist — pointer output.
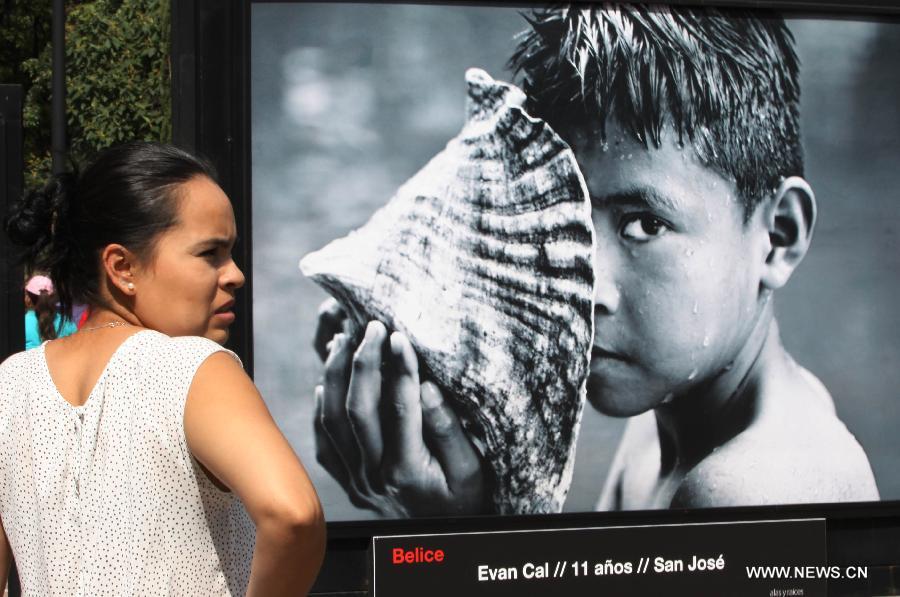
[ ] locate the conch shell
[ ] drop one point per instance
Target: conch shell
(484, 260)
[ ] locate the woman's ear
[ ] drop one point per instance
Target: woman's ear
(120, 265)
(790, 220)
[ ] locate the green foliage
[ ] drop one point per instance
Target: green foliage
(118, 75)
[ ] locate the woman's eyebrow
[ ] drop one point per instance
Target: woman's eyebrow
(215, 241)
(640, 197)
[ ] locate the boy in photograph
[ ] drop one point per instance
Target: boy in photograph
(685, 123)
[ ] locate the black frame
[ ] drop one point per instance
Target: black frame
(211, 114)
(12, 165)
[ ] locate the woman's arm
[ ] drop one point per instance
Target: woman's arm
(230, 431)
(5, 558)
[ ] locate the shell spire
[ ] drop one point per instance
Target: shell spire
(484, 259)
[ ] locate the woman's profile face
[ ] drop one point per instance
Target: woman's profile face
(187, 287)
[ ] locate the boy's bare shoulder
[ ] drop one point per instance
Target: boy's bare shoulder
(799, 453)
(767, 470)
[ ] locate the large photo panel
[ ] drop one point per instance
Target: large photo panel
(695, 396)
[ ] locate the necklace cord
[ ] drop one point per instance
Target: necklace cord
(111, 324)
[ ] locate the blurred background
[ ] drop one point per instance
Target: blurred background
(349, 100)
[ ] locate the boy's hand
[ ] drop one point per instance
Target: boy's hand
(393, 444)
(332, 321)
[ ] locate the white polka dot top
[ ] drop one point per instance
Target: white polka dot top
(105, 498)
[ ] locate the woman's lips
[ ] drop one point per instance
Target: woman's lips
(224, 316)
(224, 313)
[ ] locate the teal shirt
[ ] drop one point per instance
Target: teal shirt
(64, 327)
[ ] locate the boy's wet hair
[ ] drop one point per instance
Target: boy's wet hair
(725, 81)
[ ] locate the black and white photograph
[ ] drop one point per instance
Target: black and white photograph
(530, 260)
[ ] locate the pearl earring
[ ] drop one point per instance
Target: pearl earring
(130, 286)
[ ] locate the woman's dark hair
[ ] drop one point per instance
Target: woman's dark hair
(127, 195)
(45, 310)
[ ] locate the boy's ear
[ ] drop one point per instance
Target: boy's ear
(790, 219)
(120, 266)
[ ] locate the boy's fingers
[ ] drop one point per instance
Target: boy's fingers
(448, 441)
(403, 444)
(363, 399)
(330, 322)
(331, 461)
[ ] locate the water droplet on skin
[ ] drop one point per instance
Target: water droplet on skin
(629, 156)
(604, 147)
(696, 308)
(709, 217)
(692, 375)
(621, 157)
(668, 398)
(705, 341)
(689, 252)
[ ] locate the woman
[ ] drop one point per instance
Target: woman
(131, 449)
(42, 322)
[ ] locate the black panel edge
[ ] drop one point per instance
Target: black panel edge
(12, 172)
(848, 8)
(211, 116)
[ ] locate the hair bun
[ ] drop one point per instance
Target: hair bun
(33, 221)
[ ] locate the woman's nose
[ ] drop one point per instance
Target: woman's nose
(233, 276)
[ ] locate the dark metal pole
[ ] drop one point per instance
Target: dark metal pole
(58, 140)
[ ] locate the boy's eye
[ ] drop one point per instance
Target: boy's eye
(642, 227)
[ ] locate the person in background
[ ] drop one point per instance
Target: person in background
(42, 321)
(80, 314)
(137, 455)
